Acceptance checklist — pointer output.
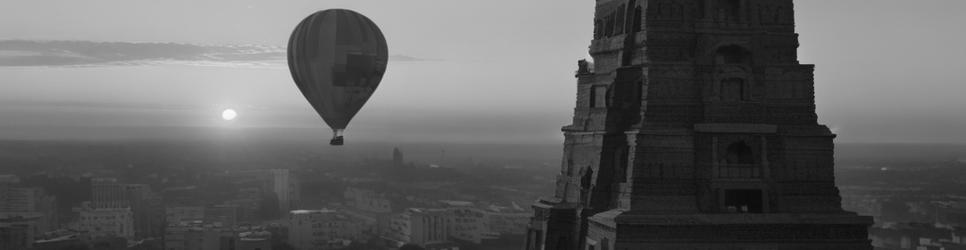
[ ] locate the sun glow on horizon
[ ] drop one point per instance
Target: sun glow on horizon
(229, 114)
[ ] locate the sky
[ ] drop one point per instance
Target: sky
(495, 71)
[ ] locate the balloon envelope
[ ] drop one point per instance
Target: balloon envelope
(337, 58)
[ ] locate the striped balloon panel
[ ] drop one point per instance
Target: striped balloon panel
(337, 58)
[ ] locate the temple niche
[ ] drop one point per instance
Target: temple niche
(728, 10)
(695, 128)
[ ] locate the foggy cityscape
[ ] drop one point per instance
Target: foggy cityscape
(484, 125)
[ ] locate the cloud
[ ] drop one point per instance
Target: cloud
(26, 53)
(405, 58)
(68, 53)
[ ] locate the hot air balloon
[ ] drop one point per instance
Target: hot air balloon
(337, 58)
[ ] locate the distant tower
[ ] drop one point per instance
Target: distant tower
(397, 158)
(696, 129)
(286, 188)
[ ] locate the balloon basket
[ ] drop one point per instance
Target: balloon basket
(337, 141)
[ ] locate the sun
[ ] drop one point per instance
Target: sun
(229, 114)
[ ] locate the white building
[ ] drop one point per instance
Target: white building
(323, 229)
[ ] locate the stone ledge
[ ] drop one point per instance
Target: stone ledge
(554, 203)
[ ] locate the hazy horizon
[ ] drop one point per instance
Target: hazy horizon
(500, 73)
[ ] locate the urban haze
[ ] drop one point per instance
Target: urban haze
(538, 124)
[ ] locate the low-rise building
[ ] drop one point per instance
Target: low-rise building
(367, 200)
(468, 224)
(420, 226)
(195, 235)
(174, 215)
(106, 222)
(959, 235)
(254, 240)
(17, 232)
(919, 236)
(29, 202)
(227, 215)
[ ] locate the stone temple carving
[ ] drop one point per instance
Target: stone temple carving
(696, 129)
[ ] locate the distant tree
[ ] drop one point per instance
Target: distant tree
(282, 246)
(279, 236)
(76, 247)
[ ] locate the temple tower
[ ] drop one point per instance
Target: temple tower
(696, 129)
